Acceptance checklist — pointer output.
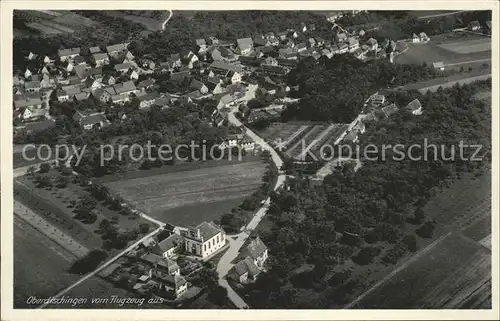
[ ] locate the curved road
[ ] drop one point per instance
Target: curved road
(164, 24)
(236, 241)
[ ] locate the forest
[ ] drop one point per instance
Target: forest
(336, 89)
(372, 216)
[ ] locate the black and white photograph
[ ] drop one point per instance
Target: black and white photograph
(251, 159)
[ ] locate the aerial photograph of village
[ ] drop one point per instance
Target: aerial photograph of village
(253, 159)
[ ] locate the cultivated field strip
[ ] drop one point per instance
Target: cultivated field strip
(315, 142)
(469, 46)
(42, 28)
(293, 136)
(56, 26)
(296, 149)
(457, 288)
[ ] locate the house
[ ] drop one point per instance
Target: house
(120, 99)
(147, 64)
(115, 50)
(351, 138)
(271, 61)
(244, 271)
(260, 41)
(104, 94)
(123, 68)
(202, 45)
(342, 48)
(93, 83)
(282, 35)
(311, 42)
(342, 36)
(46, 81)
(415, 107)
(67, 54)
(198, 85)
(292, 34)
(303, 27)
(247, 144)
(257, 251)
(72, 90)
(27, 73)
(204, 240)
(474, 25)
(32, 56)
(167, 247)
(108, 80)
(213, 40)
(33, 113)
(415, 38)
(191, 59)
(100, 59)
(148, 99)
(133, 74)
(372, 44)
(94, 50)
(162, 102)
(438, 65)
(32, 86)
(214, 85)
(62, 95)
(145, 84)
(327, 53)
(423, 37)
(353, 44)
(79, 60)
(28, 102)
(225, 68)
(390, 109)
(127, 87)
(174, 284)
(272, 70)
(81, 96)
(91, 120)
(301, 47)
(47, 60)
(377, 100)
(180, 75)
(245, 46)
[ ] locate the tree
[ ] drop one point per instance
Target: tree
(44, 167)
(31, 171)
(410, 240)
(144, 228)
(426, 230)
(88, 263)
(366, 255)
(62, 182)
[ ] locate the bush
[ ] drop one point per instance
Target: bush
(410, 240)
(394, 254)
(339, 278)
(144, 228)
(366, 255)
(44, 168)
(88, 263)
(426, 230)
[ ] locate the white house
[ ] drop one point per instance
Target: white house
(245, 46)
(415, 107)
(204, 240)
(100, 59)
(27, 73)
(166, 248)
(415, 38)
(66, 54)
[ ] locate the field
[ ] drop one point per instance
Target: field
(151, 24)
(53, 22)
(455, 51)
(39, 265)
(297, 138)
(444, 277)
(19, 160)
(447, 82)
(456, 271)
(190, 194)
(54, 205)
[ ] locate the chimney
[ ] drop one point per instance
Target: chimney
(198, 234)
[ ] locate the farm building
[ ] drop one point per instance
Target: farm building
(438, 65)
(415, 107)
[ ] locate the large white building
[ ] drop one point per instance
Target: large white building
(204, 240)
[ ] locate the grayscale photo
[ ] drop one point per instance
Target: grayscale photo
(252, 159)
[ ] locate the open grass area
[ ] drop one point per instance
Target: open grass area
(39, 265)
(455, 52)
(455, 265)
(281, 132)
(151, 24)
(191, 195)
(466, 201)
(449, 81)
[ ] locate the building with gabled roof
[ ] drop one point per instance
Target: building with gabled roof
(115, 49)
(127, 87)
(390, 110)
(415, 107)
(244, 271)
(65, 54)
(204, 240)
(245, 46)
(166, 248)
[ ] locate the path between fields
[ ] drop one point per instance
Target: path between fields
(105, 265)
(396, 270)
(236, 241)
(164, 24)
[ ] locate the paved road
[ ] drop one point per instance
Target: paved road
(105, 265)
(164, 24)
(236, 242)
